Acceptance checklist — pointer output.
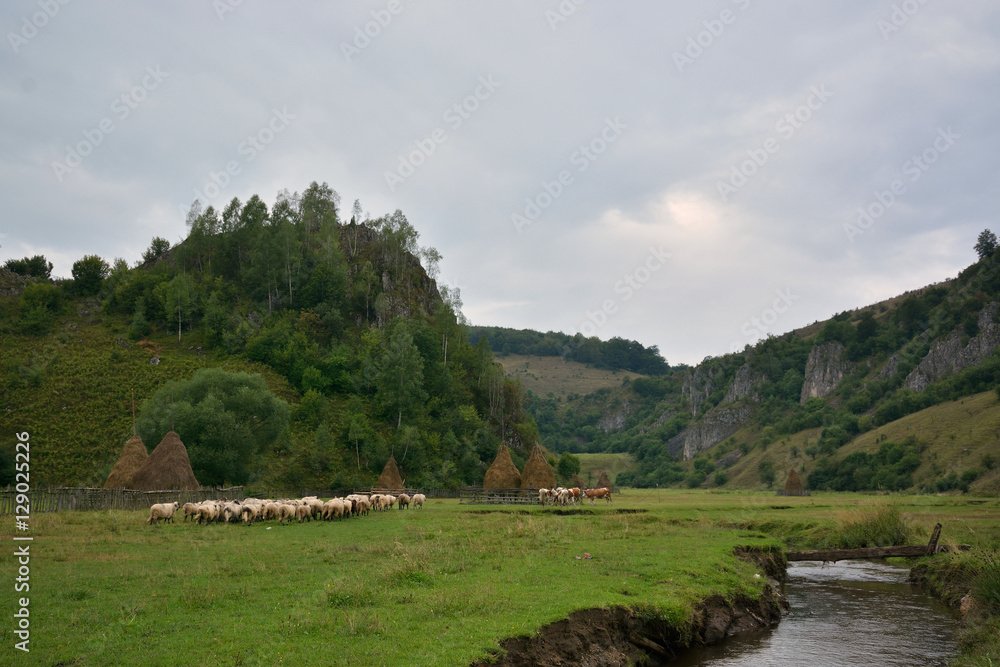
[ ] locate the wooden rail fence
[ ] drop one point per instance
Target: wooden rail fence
(59, 499)
(479, 496)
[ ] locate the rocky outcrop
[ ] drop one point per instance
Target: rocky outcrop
(825, 369)
(697, 387)
(949, 356)
(889, 369)
(744, 385)
(613, 420)
(715, 426)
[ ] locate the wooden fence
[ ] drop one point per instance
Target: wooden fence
(59, 499)
(480, 496)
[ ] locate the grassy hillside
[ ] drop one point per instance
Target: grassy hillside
(71, 390)
(555, 375)
(955, 437)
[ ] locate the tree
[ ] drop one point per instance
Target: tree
(986, 244)
(401, 374)
(225, 420)
(766, 470)
(89, 274)
(158, 247)
(568, 466)
(37, 266)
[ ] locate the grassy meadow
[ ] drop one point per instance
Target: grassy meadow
(543, 375)
(440, 585)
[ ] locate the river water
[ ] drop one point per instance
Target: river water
(846, 613)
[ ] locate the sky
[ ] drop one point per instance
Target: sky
(693, 176)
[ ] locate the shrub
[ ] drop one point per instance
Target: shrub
(878, 524)
(89, 274)
(720, 478)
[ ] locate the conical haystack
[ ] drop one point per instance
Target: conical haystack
(389, 479)
(503, 473)
(793, 484)
(538, 474)
(168, 467)
(604, 482)
(132, 458)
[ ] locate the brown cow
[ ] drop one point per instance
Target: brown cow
(593, 494)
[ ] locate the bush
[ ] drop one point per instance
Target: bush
(89, 274)
(720, 478)
(766, 470)
(878, 524)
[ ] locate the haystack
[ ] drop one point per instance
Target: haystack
(538, 474)
(132, 458)
(604, 482)
(793, 484)
(168, 467)
(503, 473)
(390, 478)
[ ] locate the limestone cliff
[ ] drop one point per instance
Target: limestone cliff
(744, 385)
(825, 369)
(614, 418)
(715, 426)
(697, 387)
(949, 356)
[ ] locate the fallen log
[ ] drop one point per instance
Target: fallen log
(870, 552)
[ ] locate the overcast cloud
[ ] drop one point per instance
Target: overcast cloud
(662, 171)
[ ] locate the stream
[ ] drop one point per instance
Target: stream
(845, 613)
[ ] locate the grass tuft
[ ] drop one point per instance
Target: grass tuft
(876, 524)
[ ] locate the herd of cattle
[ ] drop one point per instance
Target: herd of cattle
(252, 510)
(563, 496)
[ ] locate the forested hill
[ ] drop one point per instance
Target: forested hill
(362, 355)
(827, 400)
(615, 354)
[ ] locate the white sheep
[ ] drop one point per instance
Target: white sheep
(403, 500)
(164, 511)
(190, 509)
(418, 500)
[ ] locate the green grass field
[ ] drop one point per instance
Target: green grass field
(437, 586)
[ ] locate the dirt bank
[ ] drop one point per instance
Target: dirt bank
(622, 636)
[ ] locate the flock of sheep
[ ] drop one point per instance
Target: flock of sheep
(251, 510)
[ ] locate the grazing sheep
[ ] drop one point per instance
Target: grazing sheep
(418, 500)
(270, 511)
(190, 509)
(303, 512)
(164, 511)
(333, 508)
(286, 511)
(207, 511)
(403, 500)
